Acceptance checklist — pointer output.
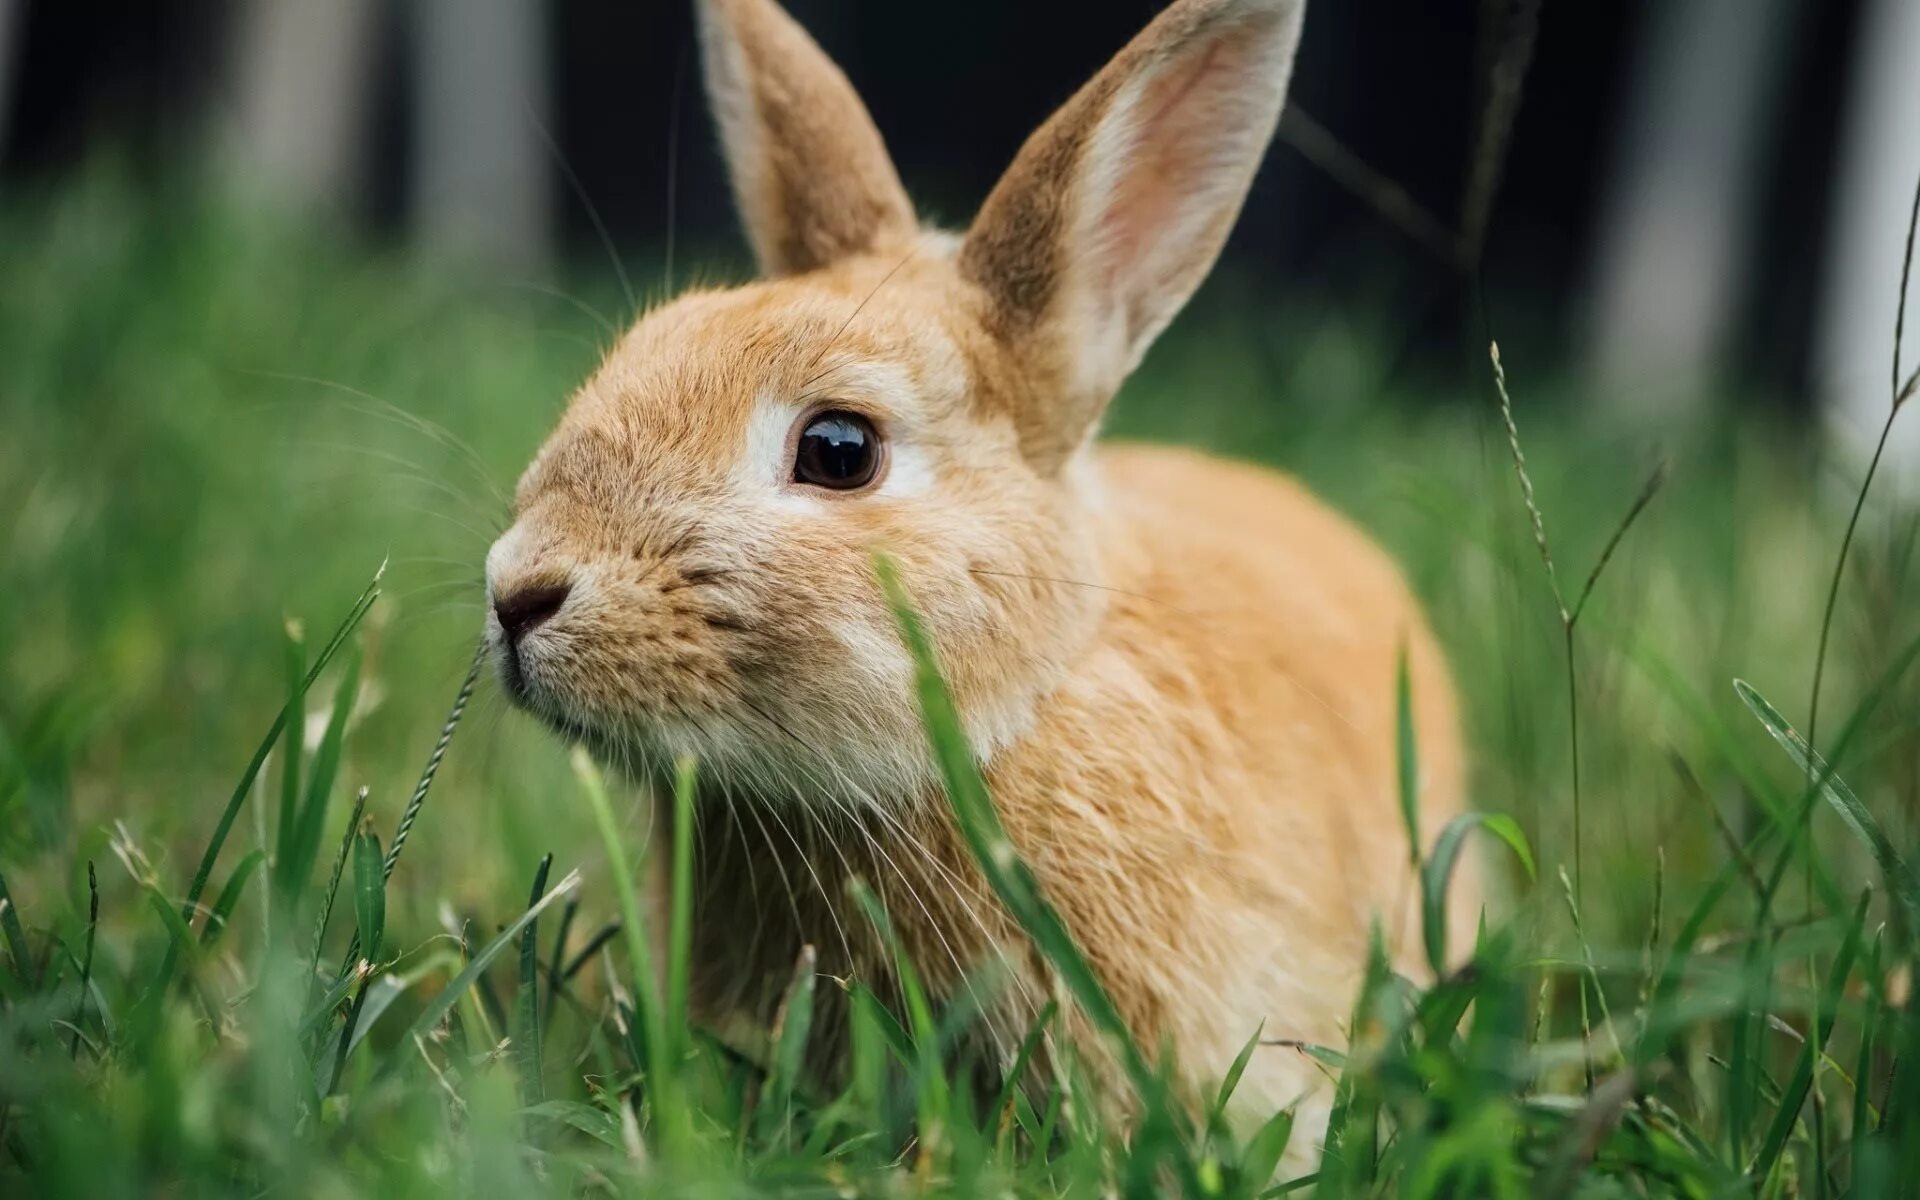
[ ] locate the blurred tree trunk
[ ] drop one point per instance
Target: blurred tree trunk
(483, 106)
(1677, 229)
(1879, 161)
(11, 12)
(302, 78)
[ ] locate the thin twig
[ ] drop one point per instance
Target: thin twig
(1388, 199)
(325, 916)
(1505, 82)
(419, 797)
(1900, 395)
(432, 768)
(1647, 492)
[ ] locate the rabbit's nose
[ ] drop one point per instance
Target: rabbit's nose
(523, 609)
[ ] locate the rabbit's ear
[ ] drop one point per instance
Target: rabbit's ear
(810, 174)
(1115, 210)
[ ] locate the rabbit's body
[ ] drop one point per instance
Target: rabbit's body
(1209, 796)
(1177, 673)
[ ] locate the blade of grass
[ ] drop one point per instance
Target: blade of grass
(792, 1025)
(1900, 878)
(680, 910)
(16, 936)
(650, 1022)
(1009, 877)
(320, 923)
(292, 744)
(556, 982)
(1437, 873)
(1801, 1081)
(1863, 1067)
(418, 800)
(229, 898)
(1265, 1149)
(443, 1001)
(1407, 755)
(369, 891)
(929, 1077)
(370, 919)
(1232, 1080)
(310, 824)
(893, 1034)
(1023, 1059)
(241, 790)
(86, 963)
(1352, 1139)
(526, 1007)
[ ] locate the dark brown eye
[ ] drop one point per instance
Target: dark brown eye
(838, 450)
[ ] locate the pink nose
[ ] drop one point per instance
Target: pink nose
(522, 610)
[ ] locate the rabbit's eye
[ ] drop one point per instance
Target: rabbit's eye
(838, 450)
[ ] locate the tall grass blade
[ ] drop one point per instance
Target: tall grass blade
(229, 898)
(1437, 873)
(16, 936)
(929, 1077)
(369, 892)
(526, 1005)
(1870, 1026)
(327, 898)
(241, 790)
(370, 922)
(1265, 1149)
(792, 1025)
(1012, 881)
(1231, 1082)
(292, 745)
(418, 799)
(310, 824)
(680, 910)
(1407, 756)
(437, 1008)
(979, 823)
(556, 960)
(1901, 880)
(1023, 1060)
(1800, 1082)
(651, 1032)
(86, 962)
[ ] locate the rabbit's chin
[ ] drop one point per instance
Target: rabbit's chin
(748, 748)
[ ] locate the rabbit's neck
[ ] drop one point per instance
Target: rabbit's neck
(772, 879)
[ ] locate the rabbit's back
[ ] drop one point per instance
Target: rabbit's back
(1212, 796)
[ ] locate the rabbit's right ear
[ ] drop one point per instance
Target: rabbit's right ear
(811, 176)
(1115, 210)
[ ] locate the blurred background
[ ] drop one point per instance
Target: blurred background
(1692, 190)
(291, 288)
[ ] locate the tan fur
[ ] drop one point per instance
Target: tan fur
(1178, 672)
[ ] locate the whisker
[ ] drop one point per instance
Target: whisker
(855, 314)
(585, 309)
(374, 406)
(673, 164)
(586, 202)
(1098, 587)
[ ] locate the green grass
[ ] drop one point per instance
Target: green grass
(214, 430)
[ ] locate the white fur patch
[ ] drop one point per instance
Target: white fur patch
(885, 390)
(765, 463)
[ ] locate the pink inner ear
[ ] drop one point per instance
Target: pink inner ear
(1185, 162)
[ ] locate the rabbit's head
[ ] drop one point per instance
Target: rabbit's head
(690, 570)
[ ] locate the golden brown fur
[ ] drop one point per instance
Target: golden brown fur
(1177, 672)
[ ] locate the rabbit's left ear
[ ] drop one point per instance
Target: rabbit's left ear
(1116, 209)
(811, 176)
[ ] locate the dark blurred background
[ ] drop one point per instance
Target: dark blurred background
(1694, 193)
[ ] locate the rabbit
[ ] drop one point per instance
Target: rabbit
(1177, 672)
